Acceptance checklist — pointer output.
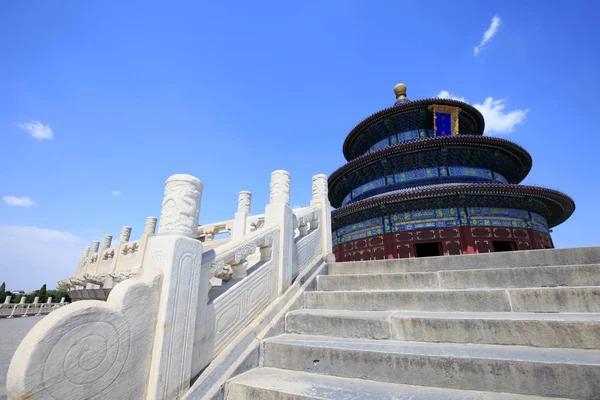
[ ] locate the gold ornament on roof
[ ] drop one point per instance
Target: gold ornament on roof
(400, 91)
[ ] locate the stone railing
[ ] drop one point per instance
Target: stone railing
(209, 231)
(22, 309)
(100, 268)
(158, 330)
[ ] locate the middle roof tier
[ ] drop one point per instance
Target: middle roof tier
(498, 159)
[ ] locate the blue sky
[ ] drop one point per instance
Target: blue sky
(101, 97)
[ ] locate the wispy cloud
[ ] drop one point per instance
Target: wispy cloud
(488, 35)
(19, 201)
(497, 120)
(37, 130)
(39, 234)
(444, 94)
(115, 193)
(46, 254)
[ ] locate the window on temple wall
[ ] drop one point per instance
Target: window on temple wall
(428, 249)
(503, 245)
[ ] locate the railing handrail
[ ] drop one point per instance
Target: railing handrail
(236, 251)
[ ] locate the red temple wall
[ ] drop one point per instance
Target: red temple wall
(453, 241)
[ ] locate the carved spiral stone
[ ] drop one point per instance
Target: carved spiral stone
(181, 206)
(88, 355)
(244, 199)
(319, 186)
(280, 187)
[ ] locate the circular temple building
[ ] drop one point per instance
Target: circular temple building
(422, 180)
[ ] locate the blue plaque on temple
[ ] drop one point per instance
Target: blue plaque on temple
(443, 124)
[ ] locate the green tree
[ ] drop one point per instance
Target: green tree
(42, 294)
(57, 295)
(3, 287)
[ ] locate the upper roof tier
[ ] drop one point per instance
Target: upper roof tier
(406, 115)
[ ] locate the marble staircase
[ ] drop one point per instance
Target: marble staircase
(518, 326)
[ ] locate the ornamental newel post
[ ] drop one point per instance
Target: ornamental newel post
(320, 196)
(184, 295)
(181, 206)
(125, 234)
(278, 212)
(280, 187)
(82, 262)
(150, 227)
(106, 241)
(240, 219)
(94, 247)
(244, 200)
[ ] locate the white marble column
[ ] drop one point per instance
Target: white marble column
(320, 196)
(184, 294)
(106, 241)
(240, 219)
(125, 234)
(150, 226)
(82, 262)
(279, 212)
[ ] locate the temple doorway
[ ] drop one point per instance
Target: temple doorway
(428, 249)
(503, 245)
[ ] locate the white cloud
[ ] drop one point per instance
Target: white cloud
(19, 201)
(115, 193)
(32, 256)
(444, 94)
(488, 35)
(496, 119)
(37, 130)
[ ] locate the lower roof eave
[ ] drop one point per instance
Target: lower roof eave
(553, 205)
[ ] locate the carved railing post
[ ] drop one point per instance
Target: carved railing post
(82, 261)
(241, 216)
(125, 234)
(106, 241)
(279, 212)
(150, 226)
(320, 196)
(184, 293)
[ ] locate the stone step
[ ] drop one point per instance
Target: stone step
(528, 258)
(579, 331)
(572, 275)
(571, 373)
(559, 299)
(280, 384)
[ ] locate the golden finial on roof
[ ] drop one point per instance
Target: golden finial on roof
(400, 91)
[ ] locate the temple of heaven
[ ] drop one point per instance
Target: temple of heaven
(422, 180)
